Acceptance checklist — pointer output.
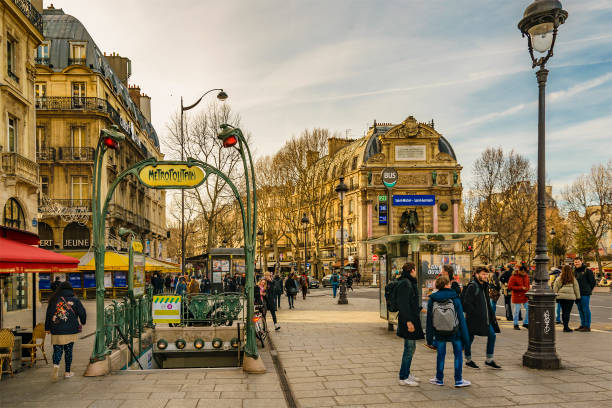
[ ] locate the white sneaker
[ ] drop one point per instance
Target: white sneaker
(435, 381)
(409, 382)
(54, 372)
(412, 378)
(462, 383)
(68, 375)
(277, 326)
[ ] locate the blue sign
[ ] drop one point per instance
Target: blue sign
(414, 200)
(34, 222)
(44, 281)
(120, 280)
(382, 212)
(89, 279)
(75, 280)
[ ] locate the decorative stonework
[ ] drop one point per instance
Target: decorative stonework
(413, 179)
(377, 158)
(443, 179)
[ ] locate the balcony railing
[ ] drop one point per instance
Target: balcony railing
(76, 61)
(76, 153)
(41, 60)
(31, 13)
(46, 154)
(82, 104)
(82, 203)
(18, 166)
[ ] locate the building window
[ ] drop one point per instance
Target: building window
(12, 134)
(80, 188)
(41, 140)
(354, 164)
(78, 136)
(77, 54)
(40, 89)
(78, 94)
(44, 185)
(351, 206)
(13, 215)
(42, 54)
(11, 59)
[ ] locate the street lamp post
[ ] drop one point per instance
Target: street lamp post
(305, 222)
(260, 234)
(220, 96)
(553, 233)
(540, 22)
(341, 189)
(529, 253)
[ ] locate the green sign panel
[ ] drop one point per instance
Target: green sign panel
(382, 198)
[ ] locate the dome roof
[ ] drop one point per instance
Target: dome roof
(445, 147)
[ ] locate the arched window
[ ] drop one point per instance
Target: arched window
(45, 233)
(76, 236)
(13, 215)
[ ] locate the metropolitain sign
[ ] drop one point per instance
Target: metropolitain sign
(171, 176)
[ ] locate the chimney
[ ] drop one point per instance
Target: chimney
(134, 91)
(335, 143)
(145, 106)
(121, 66)
(311, 157)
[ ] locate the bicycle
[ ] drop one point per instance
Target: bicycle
(261, 327)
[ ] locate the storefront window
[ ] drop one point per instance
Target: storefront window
(15, 292)
(13, 215)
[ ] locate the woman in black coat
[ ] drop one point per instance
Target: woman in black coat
(291, 289)
(64, 312)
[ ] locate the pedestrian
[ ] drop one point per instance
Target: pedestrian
(205, 284)
(449, 272)
(181, 286)
(168, 283)
(586, 281)
(335, 282)
(358, 278)
(349, 282)
(519, 285)
(304, 285)
(479, 317)
(291, 289)
(173, 284)
(494, 288)
(504, 278)
(56, 283)
(568, 291)
(446, 323)
(406, 297)
(64, 319)
(554, 274)
(194, 287)
(267, 296)
(278, 290)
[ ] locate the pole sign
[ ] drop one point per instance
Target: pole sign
(383, 210)
(414, 200)
(166, 309)
(389, 177)
(171, 176)
(374, 257)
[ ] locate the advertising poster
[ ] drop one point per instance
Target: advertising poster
(75, 280)
(239, 266)
(221, 265)
(108, 280)
(121, 279)
(89, 279)
(44, 281)
(139, 274)
(216, 277)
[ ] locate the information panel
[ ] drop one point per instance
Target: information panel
(139, 274)
(414, 200)
(166, 309)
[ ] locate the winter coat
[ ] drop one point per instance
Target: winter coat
(193, 287)
(278, 285)
(409, 303)
(516, 284)
(441, 296)
(455, 286)
(64, 314)
(477, 306)
(494, 288)
(291, 287)
(503, 279)
(569, 291)
(268, 296)
(337, 277)
(586, 280)
(181, 288)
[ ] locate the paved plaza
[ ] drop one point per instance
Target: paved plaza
(336, 355)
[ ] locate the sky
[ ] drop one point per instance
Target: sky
(289, 65)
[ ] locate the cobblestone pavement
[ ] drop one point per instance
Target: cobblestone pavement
(343, 355)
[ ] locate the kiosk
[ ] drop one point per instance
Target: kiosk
(429, 252)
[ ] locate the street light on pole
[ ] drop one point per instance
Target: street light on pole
(305, 222)
(341, 189)
(540, 22)
(222, 96)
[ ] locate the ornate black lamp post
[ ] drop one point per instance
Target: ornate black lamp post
(341, 189)
(540, 22)
(305, 222)
(260, 234)
(529, 253)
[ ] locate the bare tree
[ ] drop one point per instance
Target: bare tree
(588, 201)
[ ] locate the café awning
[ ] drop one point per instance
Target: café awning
(112, 262)
(16, 257)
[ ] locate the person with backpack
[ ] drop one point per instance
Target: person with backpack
(407, 301)
(446, 323)
(64, 319)
(503, 279)
(335, 282)
(568, 291)
(291, 289)
(479, 317)
(519, 285)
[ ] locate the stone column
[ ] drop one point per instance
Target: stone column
(455, 215)
(369, 212)
(435, 217)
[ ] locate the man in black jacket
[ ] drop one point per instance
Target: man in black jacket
(586, 281)
(503, 279)
(479, 316)
(406, 297)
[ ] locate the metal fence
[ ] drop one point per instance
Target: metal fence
(221, 309)
(126, 319)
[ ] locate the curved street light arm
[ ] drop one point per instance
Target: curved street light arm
(186, 108)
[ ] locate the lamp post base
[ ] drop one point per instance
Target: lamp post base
(342, 299)
(541, 361)
(541, 352)
(253, 365)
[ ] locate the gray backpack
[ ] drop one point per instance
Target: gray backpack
(444, 316)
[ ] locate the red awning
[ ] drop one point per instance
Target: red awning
(16, 257)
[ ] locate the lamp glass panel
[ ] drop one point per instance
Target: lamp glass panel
(541, 37)
(341, 195)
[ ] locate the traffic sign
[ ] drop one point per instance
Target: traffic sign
(374, 257)
(389, 177)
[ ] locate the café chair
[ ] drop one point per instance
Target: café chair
(38, 334)
(7, 342)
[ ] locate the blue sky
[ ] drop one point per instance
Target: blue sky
(289, 65)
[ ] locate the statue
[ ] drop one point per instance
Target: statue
(409, 221)
(434, 177)
(455, 177)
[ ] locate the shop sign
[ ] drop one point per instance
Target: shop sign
(171, 176)
(137, 246)
(414, 200)
(76, 243)
(389, 177)
(46, 243)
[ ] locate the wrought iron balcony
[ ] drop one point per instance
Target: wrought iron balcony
(46, 154)
(83, 203)
(31, 13)
(76, 61)
(76, 153)
(12, 75)
(41, 61)
(15, 165)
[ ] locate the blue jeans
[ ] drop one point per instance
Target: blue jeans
(558, 320)
(490, 344)
(457, 351)
(409, 348)
(334, 289)
(493, 306)
(584, 309)
(517, 309)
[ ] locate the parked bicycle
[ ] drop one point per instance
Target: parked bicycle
(261, 327)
